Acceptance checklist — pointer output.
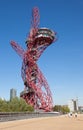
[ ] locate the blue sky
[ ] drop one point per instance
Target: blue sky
(61, 63)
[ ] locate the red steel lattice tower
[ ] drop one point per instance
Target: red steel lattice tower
(37, 92)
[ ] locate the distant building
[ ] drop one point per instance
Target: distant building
(12, 93)
(80, 109)
(73, 105)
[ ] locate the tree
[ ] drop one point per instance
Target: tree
(57, 108)
(15, 105)
(3, 105)
(63, 109)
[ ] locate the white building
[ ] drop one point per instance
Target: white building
(73, 105)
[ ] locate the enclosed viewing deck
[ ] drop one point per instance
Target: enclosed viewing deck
(44, 35)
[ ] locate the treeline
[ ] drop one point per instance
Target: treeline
(15, 105)
(19, 105)
(62, 109)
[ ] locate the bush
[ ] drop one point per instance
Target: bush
(15, 105)
(62, 109)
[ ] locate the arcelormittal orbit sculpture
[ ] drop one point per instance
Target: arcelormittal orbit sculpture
(37, 92)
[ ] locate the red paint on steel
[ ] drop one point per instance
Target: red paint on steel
(37, 91)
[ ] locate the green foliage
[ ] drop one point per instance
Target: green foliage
(62, 109)
(57, 108)
(65, 109)
(3, 105)
(15, 105)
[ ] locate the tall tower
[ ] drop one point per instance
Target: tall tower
(12, 93)
(73, 105)
(36, 89)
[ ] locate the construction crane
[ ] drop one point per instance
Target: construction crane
(36, 89)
